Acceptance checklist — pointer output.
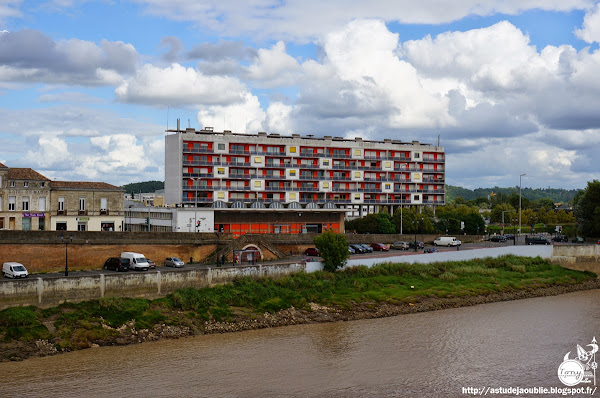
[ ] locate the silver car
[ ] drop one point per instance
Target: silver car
(173, 262)
(399, 246)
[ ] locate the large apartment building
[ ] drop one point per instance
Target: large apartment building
(301, 173)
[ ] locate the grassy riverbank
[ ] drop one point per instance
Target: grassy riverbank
(302, 298)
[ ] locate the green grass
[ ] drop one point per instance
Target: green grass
(79, 325)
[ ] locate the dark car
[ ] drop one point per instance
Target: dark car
(379, 247)
(498, 238)
(368, 248)
(416, 245)
(117, 264)
(509, 237)
(430, 250)
(536, 240)
(560, 238)
(578, 239)
(358, 248)
(151, 264)
(351, 250)
(312, 251)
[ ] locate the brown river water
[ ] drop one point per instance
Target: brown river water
(434, 354)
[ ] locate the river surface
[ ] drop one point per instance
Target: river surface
(434, 354)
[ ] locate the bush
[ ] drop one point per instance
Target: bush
(333, 249)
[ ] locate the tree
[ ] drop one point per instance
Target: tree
(385, 225)
(333, 249)
(587, 209)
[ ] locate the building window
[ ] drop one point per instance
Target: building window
(221, 195)
(26, 184)
(25, 203)
(417, 197)
(257, 184)
(292, 149)
(221, 171)
(326, 163)
(357, 174)
(61, 204)
(357, 196)
(292, 196)
(416, 155)
(42, 204)
(103, 204)
(388, 164)
(326, 185)
(292, 173)
(387, 186)
(257, 159)
(357, 152)
(221, 147)
(42, 184)
(81, 204)
(11, 203)
(12, 184)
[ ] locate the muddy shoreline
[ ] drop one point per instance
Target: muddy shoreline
(127, 334)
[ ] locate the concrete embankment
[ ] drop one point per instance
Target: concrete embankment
(48, 292)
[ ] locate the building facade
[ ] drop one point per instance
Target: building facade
(24, 199)
(300, 175)
(30, 201)
(86, 206)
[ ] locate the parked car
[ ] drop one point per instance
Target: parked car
(14, 270)
(379, 247)
(358, 248)
(151, 263)
(351, 250)
(368, 248)
(578, 239)
(117, 264)
(430, 250)
(536, 240)
(173, 262)
(416, 245)
(447, 241)
(498, 238)
(312, 251)
(560, 238)
(399, 246)
(509, 237)
(137, 261)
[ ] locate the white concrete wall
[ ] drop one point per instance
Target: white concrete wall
(461, 255)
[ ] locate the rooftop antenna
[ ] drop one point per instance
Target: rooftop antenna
(189, 125)
(438, 141)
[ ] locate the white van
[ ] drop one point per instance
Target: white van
(137, 261)
(447, 241)
(14, 270)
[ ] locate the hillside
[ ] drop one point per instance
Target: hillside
(144, 187)
(557, 195)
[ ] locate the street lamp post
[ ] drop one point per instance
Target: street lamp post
(504, 211)
(520, 177)
(66, 242)
(416, 224)
(195, 179)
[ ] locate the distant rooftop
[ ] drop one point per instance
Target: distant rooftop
(25, 174)
(209, 131)
(85, 185)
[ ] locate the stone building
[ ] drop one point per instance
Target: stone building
(30, 201)
(24, 198)
(86, 206)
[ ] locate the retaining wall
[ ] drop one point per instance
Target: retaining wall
(50, 291)
(578, 257)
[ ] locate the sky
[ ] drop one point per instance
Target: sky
(510, 87)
